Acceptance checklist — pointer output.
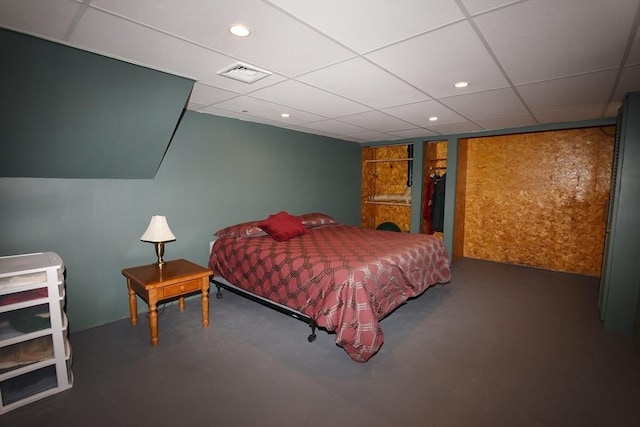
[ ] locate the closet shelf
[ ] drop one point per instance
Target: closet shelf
(408, 205)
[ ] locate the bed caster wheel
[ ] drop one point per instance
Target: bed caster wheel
(218, 295)
(311, 338)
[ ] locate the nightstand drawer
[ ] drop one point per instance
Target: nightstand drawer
(182, 288)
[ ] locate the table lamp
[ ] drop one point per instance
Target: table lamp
(158, 233)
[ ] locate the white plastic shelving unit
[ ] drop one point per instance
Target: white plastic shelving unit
(35, 355)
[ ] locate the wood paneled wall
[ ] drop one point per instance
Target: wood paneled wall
(384, 178)
(536, 199)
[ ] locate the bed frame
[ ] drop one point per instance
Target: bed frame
(220, 283)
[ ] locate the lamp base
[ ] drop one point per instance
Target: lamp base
(159, 253)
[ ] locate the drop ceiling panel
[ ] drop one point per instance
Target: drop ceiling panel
(508, 122)
(364, 82)
(629, 82)
(328, 134)
(575, 114)
(634, 53)
(412, 133)
(337, 127)
(225, 113)
(435, 61)
(376, 120)
(260, 108)
(306, 98)
(496, 103)
(454, 128)
(278, 43)
(479, 6)
(546, 39)
(420, 112)
(612, 109)
(44, 18)
(123, 39)
(569, 93)
(207, 95)
(339, 59)
(376, 136)
(364, 25)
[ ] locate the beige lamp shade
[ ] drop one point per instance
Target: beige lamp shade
(158, 230)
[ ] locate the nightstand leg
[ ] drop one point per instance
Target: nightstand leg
(153, 322)
(205, 303)
(181, 303)
(133, 305)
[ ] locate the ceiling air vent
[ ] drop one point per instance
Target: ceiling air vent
(244, 73)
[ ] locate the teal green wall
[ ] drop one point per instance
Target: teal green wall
(69, 113)
(216, 172)
(620, 281)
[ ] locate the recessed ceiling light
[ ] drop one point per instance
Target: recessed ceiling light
(433, 118)
(285, 115)
(461, 84)
(239, 30)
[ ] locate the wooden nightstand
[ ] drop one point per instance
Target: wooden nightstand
(176, 279)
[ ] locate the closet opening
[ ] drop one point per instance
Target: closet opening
(387, 178)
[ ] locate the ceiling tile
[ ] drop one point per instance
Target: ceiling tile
(310, 99)
(277, 42)
(613, 108)
(207, 95)
(435, 61)
(194, 106)
(569, 115)
(355, 79)
(364, 25)
(376, 136)
(480, 6)
(569, 93)
(225, 113)
(629, 82)
(326, 133)
(379, 69)
(413, 133)
(44, 18)
(634, 52)
(123, 39)
(508, 122)
(454, 128)
(259, 108)
(245, 117)
(419, 113)
(546, 39)
(337, 127)
(375, 120)
(495, 103)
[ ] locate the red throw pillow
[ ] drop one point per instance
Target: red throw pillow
(282, 226)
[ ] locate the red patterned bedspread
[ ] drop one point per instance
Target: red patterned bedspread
(345, 278)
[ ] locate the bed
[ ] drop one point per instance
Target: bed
(341, 278)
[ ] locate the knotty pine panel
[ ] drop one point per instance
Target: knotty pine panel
(539, 199)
